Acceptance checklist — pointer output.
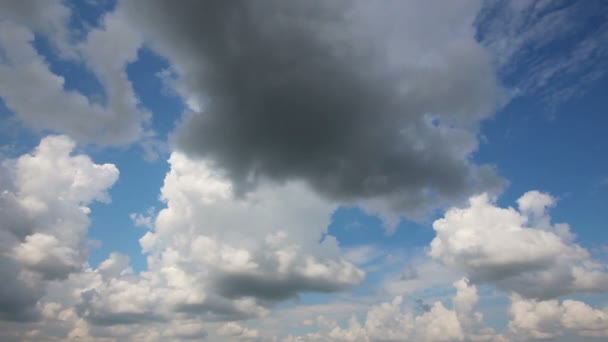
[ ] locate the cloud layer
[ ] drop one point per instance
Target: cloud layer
(294, 108)
(219, 263)
(350, 97)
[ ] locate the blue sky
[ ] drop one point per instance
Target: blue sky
(265, 171)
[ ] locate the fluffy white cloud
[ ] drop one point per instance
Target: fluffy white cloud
(186, 292)
(388, 322)
(46, 254)
(213, 258)
(519, 250)
(44, 219)
(144, 219)
(548, 319)
(214, 255)
(37, 96)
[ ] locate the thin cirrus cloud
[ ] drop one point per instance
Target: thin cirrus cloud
(524, 35)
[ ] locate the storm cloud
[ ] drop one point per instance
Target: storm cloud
(360, 100)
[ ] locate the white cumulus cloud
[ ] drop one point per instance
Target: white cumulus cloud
(534, 319)
(44, 219)
(390, 322)
(519, 250)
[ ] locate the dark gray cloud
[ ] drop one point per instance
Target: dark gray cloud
(360, 100)
(215, 309)
(268, 288)
(17, 299)
(422, 306)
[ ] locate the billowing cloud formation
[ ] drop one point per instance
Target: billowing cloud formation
(388, 322)
(532, 319)
(44, 220)
(235, 331)
(518, 250)
(216, 256)
(360, 100)
(216, 260)
(38, 96)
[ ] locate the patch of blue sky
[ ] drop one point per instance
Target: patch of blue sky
(15, 138)
(535, 152)
(140, 181)
(77, 76)
(557, 145)
(87, 14)
(137, 189)
(494, 306)
(166, 107)
(139, 184)
(353, 227)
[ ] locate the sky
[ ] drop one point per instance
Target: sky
(272, 170)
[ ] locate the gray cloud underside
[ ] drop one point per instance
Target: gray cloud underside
(343, 95)
(238, 285)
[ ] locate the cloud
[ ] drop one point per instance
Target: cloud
(213, 255)
(235, 331)
(213, 259)
(44, 220)
(144, 219)
(549, 319)
(48, 18)
(297, 107)
(418, 274)
(37, 96)
(518, 250)
(46, 254)
(522, 37)
(388, 322)
(362, 101)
